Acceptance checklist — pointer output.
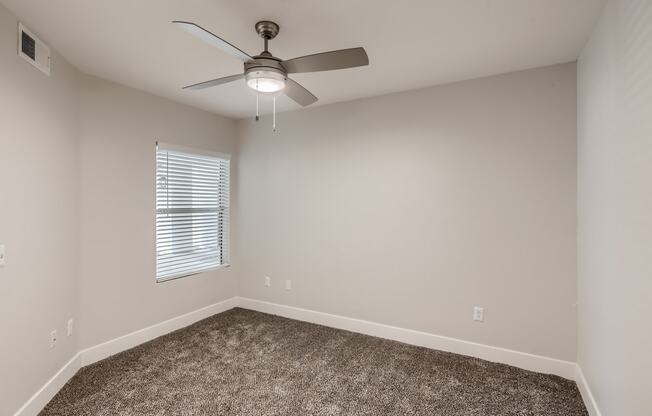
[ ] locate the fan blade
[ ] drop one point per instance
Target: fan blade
(327, 61)
(212, 39)
(299, 94)
(213, 82)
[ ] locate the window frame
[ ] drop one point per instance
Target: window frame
(199, 152)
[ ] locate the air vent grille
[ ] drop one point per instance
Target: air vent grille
(28, 45)
(33, 50)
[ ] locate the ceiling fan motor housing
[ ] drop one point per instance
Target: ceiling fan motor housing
(264, 62)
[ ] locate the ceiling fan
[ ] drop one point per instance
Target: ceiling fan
(267, 74)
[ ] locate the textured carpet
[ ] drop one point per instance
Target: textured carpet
(248, 363)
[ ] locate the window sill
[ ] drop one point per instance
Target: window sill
(193, 273)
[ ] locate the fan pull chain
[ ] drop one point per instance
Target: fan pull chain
(274, 117)
(257, 111)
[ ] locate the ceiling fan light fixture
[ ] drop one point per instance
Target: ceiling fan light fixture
(266, 81)
(268, 74)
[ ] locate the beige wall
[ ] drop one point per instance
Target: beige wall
(77, 163)
(615, 209)
(38, 219)
(409, 209)
(118, 128)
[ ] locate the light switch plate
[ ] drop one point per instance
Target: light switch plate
(2, 255)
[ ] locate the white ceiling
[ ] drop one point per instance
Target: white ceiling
(410, 43)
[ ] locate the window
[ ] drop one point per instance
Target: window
(192, 211)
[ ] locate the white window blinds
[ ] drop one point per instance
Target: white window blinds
(192, 211)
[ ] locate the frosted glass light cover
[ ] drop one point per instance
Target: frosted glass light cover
(267, 85)
(265, 81)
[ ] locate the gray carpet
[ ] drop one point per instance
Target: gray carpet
(248, 363)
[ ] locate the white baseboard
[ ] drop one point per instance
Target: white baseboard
(98, 352)
(123, 343)
(587, 394)
(519, 359)
(37, 402)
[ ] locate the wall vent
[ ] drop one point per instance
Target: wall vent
(31, 49)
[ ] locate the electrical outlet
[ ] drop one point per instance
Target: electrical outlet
(478, 314)
(268, 281)
(2, 255)
(288, 285)
(53, 338)
(69, 327)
